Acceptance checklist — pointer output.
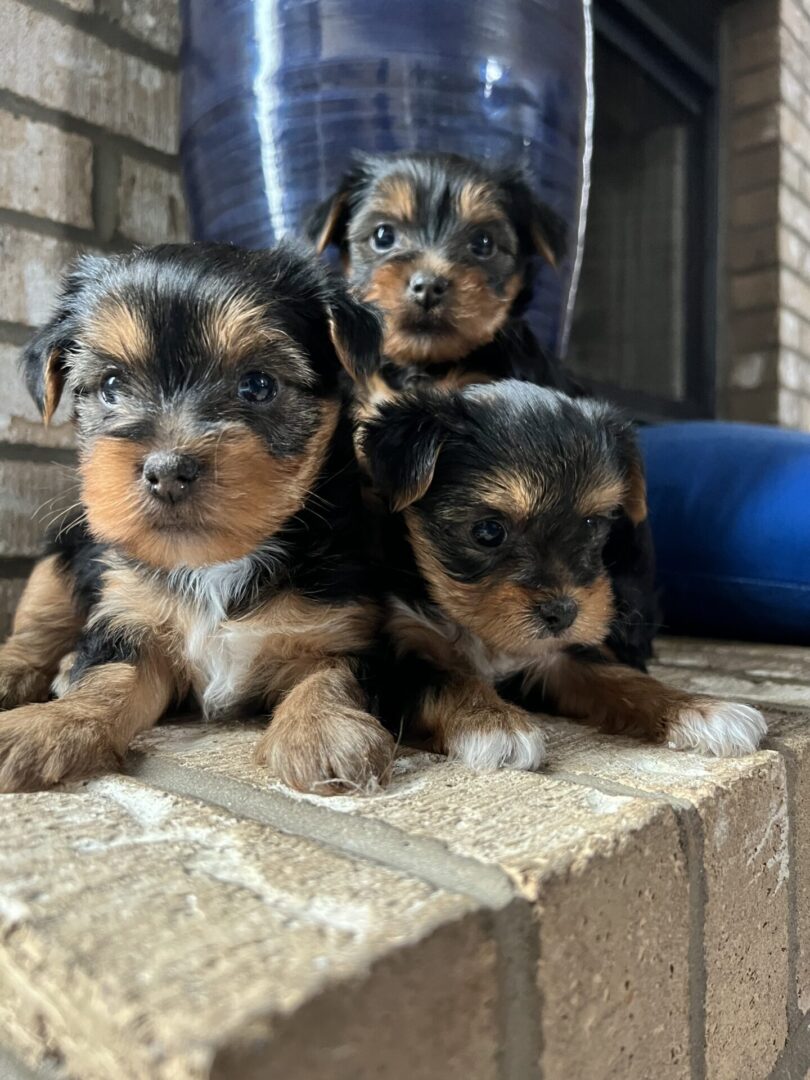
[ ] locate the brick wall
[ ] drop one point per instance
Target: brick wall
(88, 161)
(765, 320)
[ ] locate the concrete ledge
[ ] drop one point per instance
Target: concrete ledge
(631, 912)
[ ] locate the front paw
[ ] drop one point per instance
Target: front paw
(722, 728)
(495, 738)
(41, 745)
(21, 685)
(328, 753)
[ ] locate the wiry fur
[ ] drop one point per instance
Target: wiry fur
(242, 580)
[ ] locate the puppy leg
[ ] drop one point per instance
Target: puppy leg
(322, 738)
(88, 730)
(618, 698)
(466, 719)
(46, 626)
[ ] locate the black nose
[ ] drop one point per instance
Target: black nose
(170, 477)
(427, 289)
(558, 614)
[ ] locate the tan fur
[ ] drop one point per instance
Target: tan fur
(85, 732)
(321, 737)
(394, 200)
(46, 626)
(602, 499)
(516, 496)
(614, 697)
(250, 496)
(502, 613)
(635, 498)
(116, 331)
(542, 245)
(324, 238)
(477, 202)
(473, 312)
(53, 376)
(467, 706)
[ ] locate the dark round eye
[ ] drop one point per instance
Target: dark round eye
(383, 238)
(482, 245)
(110, 388)
(257, 386)
(488, 533)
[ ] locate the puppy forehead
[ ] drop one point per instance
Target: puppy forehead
(415, 190)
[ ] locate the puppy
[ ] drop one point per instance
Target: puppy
(219, 548)
(447, 249)
(501, 503)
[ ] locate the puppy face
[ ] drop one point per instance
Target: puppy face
(205, 384)
(441, 245)
(508, 493)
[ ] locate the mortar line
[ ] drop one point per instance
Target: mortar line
(793, 1062)
(792, 777)
(375, 841)
(519, 1003)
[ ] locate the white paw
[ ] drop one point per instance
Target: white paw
(517, 748)
(722, 728)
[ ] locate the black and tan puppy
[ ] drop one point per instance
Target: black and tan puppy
(446, 248)
(219, 548)
(502, 498)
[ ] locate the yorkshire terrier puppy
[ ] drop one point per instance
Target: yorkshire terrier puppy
(500, 600)
(445, 248)
(219, 548)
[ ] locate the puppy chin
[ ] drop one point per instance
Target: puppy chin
(169, 547)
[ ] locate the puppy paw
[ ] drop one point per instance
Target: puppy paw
(41, 745)
(722, 728)
(22, 685)
(330, 753)
(496, 739)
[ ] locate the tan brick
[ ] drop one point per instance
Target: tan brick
(742, 805)
(754, 290)
(32, 270)
(794, 252)
(755, 128)
(755, 49)
(19, 420)
(757, 330)
(789, 662)
(755, 168)
(793, 55)
(33, 495)
(570, 850)
(78, 5)
(150, 936)
(795, 212)
(736, 686)
(64, 68)
(794, 371)
(749, 15)
(795, 132)
(10, 593)
(751, 208)
(756, 88)
(151, 203)
(752, 249)
(794, 409)
(757, 406)
(795, 291)
(44, 171)
(750, 370)
(155, 21)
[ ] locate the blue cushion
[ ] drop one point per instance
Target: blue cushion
(730, 513)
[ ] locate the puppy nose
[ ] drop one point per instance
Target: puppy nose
(169, 477)
(427, 289)
(558, 614)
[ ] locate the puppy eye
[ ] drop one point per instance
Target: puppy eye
(488, 533)
(383, 238)
(482, 245)
(110, 388)
(256, 387)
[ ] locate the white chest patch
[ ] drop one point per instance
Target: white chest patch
(221, 651)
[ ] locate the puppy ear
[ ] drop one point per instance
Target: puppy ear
(44, 359)
(328, 223)
(356, 332)
(634, 502)
(540, 230)
(402, 443)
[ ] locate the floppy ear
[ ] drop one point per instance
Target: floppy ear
(402, 443)
(356, 332)
(540, 230)
(44, 358)
(634, 502)
(328, 223)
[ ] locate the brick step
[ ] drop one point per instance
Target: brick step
(629, 912)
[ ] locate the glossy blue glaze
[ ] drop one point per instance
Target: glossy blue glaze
(277, 93)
